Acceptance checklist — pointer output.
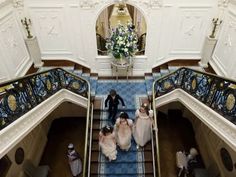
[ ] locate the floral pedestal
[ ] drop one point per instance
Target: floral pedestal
(121, 61)
(121, 67)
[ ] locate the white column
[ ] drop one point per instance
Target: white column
(207, 51)
(34, 51)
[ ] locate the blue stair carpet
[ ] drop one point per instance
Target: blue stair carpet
(128, 163)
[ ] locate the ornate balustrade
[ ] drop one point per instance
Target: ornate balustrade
(215, 92)
(19, 96)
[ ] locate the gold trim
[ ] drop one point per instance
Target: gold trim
(194, 84)
(11, 100)
(49, 85)
(230, 102)
(167, 85)
(75, 85)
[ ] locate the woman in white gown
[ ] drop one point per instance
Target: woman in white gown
(143, 125)
(107, 142)
(123, 129)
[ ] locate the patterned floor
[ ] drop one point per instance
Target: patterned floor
(127, 163)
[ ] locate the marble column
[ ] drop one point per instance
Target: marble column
(208, 48)
(34, 51)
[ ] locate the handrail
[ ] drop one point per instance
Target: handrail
(86, 136)
(153, 156)
(214, 91)
(90, 140)
(19, 96)
(156, 132)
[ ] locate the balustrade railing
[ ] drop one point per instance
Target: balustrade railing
(17, 97)
(216, 92)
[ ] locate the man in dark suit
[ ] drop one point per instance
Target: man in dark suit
(113, 101)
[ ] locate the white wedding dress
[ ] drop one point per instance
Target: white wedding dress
(124, 133)
(142, 127)
(108, 145)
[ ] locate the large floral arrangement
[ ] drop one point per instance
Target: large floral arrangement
(123, 42)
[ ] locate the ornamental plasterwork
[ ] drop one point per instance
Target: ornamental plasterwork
(223, 3)
(88, 4)
(150, 3)
(18, 3)
(190, 30)
(4, 2)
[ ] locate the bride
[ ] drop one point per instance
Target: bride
(123, 131)
(107, 142)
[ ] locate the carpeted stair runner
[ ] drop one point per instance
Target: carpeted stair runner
(128, 163)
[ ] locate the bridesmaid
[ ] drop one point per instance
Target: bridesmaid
(107, 142)
(143, 125)
(123, 129)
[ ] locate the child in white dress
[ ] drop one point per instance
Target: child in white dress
(123, 129)
(107, 142)
(143, 125)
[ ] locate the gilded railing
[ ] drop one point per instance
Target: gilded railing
(216, 92)
(17, 97)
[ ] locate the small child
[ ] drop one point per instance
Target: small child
(107, 142)
(113, 101)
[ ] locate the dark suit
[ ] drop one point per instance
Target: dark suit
(113, 106)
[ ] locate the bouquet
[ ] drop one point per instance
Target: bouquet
(123, 42)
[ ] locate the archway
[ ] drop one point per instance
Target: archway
(120, 13)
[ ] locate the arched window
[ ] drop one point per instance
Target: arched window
(120, 13)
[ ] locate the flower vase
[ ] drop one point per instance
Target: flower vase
(121, 61)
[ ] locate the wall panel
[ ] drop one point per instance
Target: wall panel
(225, 54)
(14, 53)
(50, 26)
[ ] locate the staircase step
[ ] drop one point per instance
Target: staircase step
(67, 68)
(173, 68)
(148, 156)
(149, 80)
(95, 146)
(94, 156)
(135, 175)
(156, 75)
(93, 84)
(95, 134)
(78, 72)
(164, 72)
(147, 148)
(96, 125)
(120, 168)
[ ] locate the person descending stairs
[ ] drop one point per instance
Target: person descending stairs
(132, 162)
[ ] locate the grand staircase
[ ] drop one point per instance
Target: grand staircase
(134, 162)
(126, 162)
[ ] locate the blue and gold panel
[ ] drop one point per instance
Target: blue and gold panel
(18, 97)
